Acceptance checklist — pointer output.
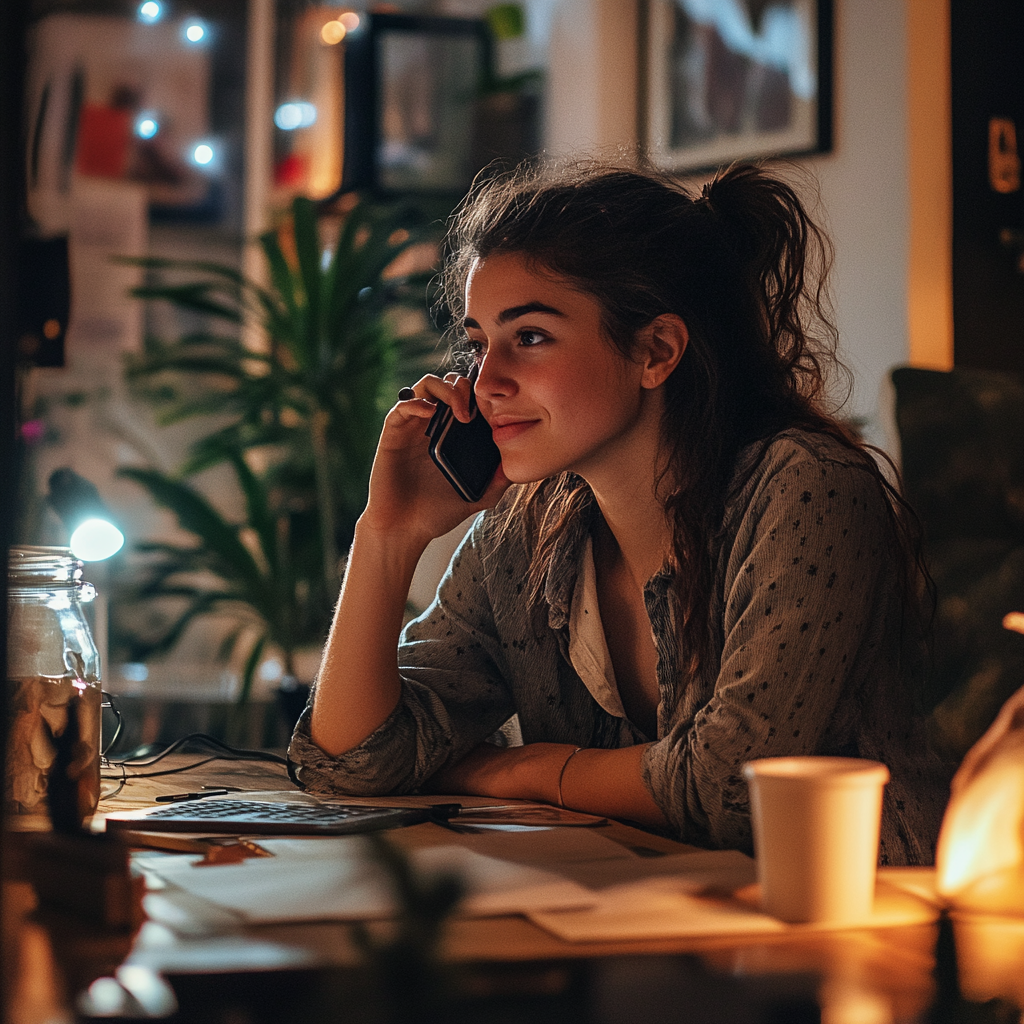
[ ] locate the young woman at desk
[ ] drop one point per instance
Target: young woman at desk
(686, 562)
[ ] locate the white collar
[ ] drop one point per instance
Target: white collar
(588, 647)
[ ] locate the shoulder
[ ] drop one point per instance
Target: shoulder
(796, 447)
(795, 453)
(798, 472)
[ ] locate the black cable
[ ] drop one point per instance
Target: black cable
(107, 701)
(223, 752)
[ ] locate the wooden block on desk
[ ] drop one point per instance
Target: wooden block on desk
(87, 875)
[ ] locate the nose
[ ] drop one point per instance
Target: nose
(494, 379)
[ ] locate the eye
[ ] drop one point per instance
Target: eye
(529, 338)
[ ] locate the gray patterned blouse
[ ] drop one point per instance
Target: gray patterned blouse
(813, 659)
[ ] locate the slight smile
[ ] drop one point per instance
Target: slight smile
(505, 428)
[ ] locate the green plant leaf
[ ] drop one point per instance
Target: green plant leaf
(199, 298)
(249, 671)
(307, 248)
(281, 276)
(195, 514)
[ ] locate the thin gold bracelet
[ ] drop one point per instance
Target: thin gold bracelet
(561, 775)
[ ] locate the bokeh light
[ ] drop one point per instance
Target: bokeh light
(295, 114)
(203, 154)
(146, 126)
(349, 21)
(333, 32)
(150, 11)
(194, 32)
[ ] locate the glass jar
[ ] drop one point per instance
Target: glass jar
(53, 684)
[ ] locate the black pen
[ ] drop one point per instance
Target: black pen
(172, 798)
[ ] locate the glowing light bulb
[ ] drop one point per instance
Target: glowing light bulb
(150, 11)
(202, 154)
(333, 32)
(194, 32)
(95, 540)
(295, 114)
(349, 21)
(146, 126)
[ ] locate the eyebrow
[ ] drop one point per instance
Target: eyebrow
(515, 312)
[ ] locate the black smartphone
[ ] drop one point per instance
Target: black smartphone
(464, 452)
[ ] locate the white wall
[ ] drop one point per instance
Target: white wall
(865, 193)
(864, 181)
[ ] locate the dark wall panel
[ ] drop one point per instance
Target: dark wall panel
(987, 40)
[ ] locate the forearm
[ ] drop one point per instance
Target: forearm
(358, 685)
(604, 782)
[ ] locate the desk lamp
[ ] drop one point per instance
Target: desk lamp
(94, 537)
(77, 502)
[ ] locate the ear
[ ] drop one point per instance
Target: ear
(662, 344)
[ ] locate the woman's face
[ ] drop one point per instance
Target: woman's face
(557, 393)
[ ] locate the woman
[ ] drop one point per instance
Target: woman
(685, 563)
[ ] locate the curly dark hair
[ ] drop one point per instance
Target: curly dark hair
(746, 268)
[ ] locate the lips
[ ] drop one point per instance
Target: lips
(507, 427)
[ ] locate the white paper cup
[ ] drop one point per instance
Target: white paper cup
(816, 822)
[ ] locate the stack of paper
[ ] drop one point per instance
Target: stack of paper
(574, 883)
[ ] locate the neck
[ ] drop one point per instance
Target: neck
(633, 527)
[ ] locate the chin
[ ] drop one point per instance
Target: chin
(524, 473)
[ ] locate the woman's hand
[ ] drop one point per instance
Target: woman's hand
(408, 495)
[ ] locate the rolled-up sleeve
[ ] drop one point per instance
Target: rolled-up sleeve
(454, 694)
(808, 597)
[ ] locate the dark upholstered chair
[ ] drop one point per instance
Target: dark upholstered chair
(962, 439)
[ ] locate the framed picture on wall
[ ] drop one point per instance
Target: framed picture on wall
(411, 88)
(725, 80)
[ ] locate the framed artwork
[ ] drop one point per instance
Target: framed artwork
(411, 88)
(725, 80)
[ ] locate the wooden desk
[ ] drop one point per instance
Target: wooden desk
(887, 972)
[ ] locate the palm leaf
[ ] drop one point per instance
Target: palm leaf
(307, 247)
(195, 297)
(197, 515)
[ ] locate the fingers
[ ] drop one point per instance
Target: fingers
(454, 390)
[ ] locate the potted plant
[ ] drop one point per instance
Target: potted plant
(296, 422)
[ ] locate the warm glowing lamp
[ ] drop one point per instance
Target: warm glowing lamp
(980, 857)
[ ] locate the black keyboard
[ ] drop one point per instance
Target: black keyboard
(253, 817)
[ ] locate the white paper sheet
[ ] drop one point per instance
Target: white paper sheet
(574, 883)
(334, 879)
